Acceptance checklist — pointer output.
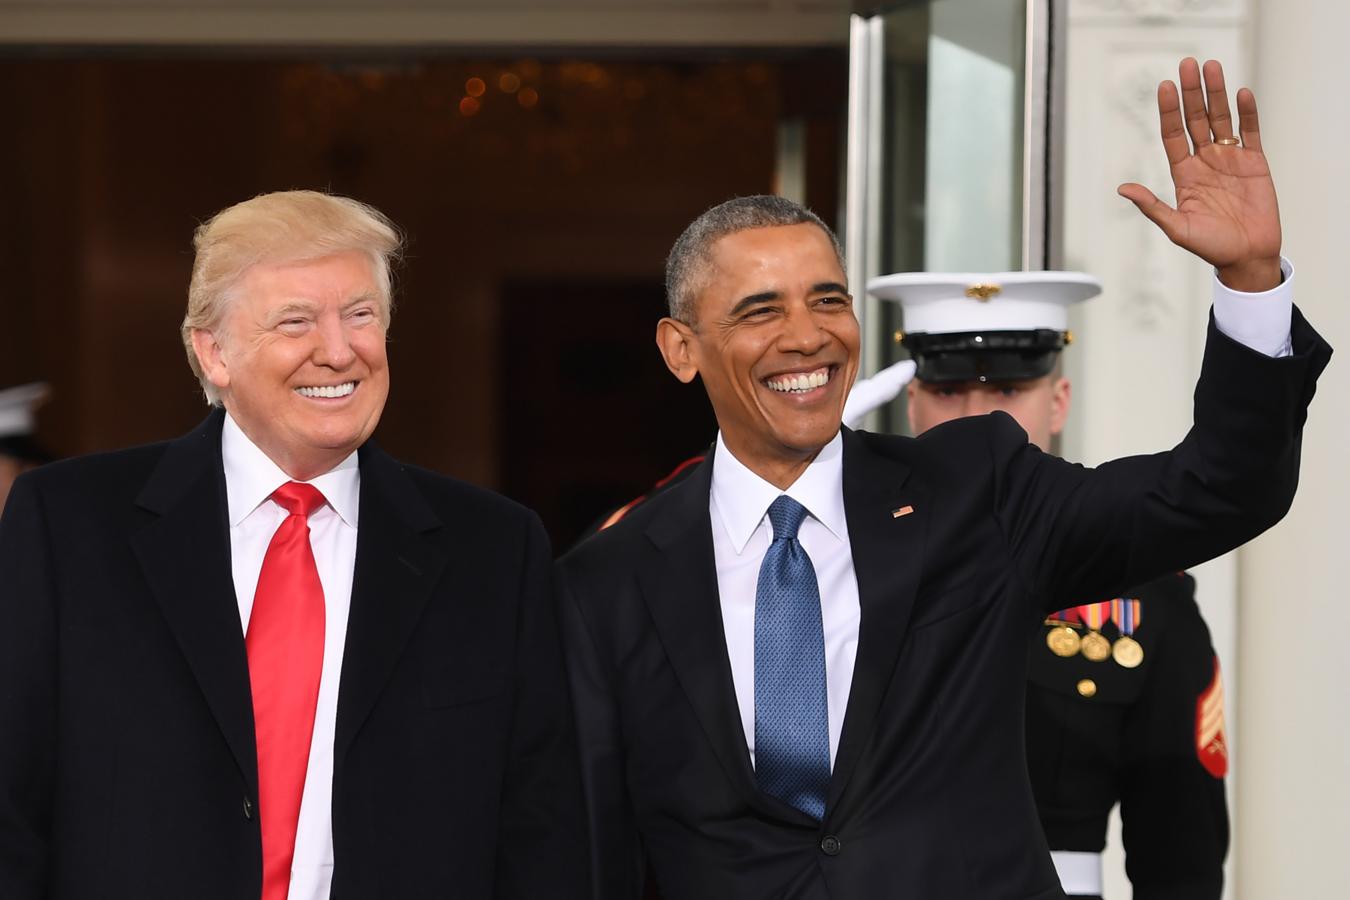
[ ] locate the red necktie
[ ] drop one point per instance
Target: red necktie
(285, 658)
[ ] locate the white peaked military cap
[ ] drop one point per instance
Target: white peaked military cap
(17, 424)
(17, 406)
(944, 303)
(996, 326)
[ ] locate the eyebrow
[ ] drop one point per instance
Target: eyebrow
(366, 297)
(761, 297)
(824, 287)
(290, 309)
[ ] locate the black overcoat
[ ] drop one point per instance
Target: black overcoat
(127, 761)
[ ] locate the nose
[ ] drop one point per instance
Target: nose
(333, 346)
(978, 402)
(801, 332)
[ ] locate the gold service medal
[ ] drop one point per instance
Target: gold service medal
(1095, 647)
(1127, 652)
(1063, 641)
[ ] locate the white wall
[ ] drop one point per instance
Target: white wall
(1293, 839)
(1139, 344)
(1274, 607)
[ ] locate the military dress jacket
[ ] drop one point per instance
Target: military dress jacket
(1149, 737)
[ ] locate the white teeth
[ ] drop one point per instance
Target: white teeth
(332, 391)
(800, 384)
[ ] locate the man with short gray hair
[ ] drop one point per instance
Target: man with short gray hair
(798, 673)
(266, 659)
(687, 266)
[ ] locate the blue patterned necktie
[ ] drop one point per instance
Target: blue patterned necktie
(792, 725)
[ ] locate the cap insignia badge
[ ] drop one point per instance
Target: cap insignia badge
(984, 292)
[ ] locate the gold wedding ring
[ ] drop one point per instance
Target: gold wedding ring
(1228, 142)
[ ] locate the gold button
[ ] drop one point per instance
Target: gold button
(1087, 687)
(899, 336)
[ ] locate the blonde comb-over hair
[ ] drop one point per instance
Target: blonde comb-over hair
(281, 227)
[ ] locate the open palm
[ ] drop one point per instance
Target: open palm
(1226, 213)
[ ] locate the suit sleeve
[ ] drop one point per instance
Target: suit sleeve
(1078, 532)
(542, 841)
(616, 858)
(27, 695)
(1173, 810)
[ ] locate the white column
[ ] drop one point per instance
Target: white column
(1138, 346)
(1293, 839)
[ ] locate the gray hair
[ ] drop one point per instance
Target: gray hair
(687, 265)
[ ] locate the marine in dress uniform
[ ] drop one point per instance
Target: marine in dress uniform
(1124, 696)
(1148, 737)
(19, 450)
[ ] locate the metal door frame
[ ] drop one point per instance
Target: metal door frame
(1042, 153)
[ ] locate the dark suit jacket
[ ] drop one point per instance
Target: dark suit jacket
(127, 763)
(929, 797)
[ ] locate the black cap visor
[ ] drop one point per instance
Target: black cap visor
(25, 449)
(984, 355)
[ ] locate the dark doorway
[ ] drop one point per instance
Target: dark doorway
(595, 418)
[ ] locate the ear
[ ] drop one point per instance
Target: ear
(911, 390)
(211, 357)
(675, 340)
(1061, 392)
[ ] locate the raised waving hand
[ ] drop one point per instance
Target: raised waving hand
(1226, 211)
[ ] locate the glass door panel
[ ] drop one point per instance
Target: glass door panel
(939, 165)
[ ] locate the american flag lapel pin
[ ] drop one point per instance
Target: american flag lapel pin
(901, 512)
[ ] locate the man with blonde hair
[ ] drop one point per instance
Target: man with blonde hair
(266, 659)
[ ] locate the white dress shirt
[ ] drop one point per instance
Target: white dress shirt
(1259, 321)
(250, 479)
(739, 504)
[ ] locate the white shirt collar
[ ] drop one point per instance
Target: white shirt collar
(251, 477)
(742, 498)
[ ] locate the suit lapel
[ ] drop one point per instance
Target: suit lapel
(887, 544)
(396, 569)
(185, 555)
(682, 595)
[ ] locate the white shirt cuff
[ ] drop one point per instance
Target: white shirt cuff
(1259, 321)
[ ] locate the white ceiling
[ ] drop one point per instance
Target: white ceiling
(498, 23)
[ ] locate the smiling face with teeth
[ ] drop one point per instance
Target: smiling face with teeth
(775, 341)
(299, 359)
